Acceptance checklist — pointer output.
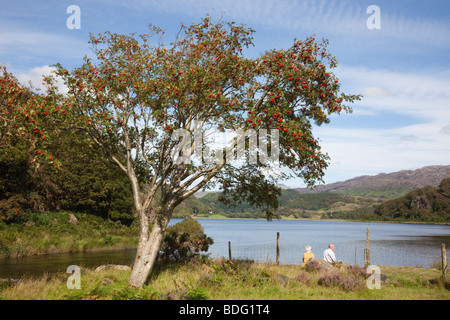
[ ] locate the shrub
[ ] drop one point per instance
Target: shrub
(11, 209)
(349, 283)
(313, 265)
(330, 280)
(352, 279)
(196, 294)
(303, 278)
(184, 241)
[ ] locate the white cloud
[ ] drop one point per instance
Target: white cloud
(330, 17)
(376, 93)
(36, 75)
(425, 96)
(29, 42)
(357, 150)
(363, 151)
(445, 130)
(409, 138)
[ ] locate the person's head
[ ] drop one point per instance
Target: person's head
(308, 249)
(331, 246)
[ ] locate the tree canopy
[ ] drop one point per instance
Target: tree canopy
(138, 91)
(150, 107)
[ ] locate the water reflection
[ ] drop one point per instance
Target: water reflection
(37, 265)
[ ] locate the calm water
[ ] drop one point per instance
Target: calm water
(390, 243)
(37, 265)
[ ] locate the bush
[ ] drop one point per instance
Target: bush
(351, 279)
(313, 265)
(184, 241)
(330, 280)
(303, 278)
(11, 209)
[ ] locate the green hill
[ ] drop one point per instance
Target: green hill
(192, 206)
(292, 204)
(424, 204)
(243, 210)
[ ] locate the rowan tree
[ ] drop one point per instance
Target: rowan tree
(26, 119)
(138, 92)
(31, 117)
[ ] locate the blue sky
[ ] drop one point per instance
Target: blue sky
(402, 69)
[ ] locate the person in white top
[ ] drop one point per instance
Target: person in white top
(328, 254)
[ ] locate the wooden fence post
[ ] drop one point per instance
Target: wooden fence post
(365, 258)
(444, 262)
(367, 250)
(278, 248)
(229, 250)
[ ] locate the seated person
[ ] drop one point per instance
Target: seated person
(308, 255)
(328, 254)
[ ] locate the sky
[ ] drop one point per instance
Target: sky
(397, 57)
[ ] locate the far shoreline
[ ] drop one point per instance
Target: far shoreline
(219, 216)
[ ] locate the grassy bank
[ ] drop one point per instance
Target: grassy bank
(220, 280)
(52, 232)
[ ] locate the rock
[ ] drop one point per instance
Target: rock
(319, 264)
(113, 267)
(8, 281)
(383, 278)
(282, 279)
(29, 224)
(73, 219)
(106, 281)
(421, 202)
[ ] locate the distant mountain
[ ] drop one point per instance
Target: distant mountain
(386, 185)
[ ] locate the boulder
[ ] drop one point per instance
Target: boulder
(106, 281)
(73, 219)
(319, 264)
(282, 279)
(113, 267)
(9, 282)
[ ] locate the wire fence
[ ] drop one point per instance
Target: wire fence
(382, 252)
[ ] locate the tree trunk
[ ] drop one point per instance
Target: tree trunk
(147, 250)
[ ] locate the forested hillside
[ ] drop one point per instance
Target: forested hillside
(292, 204)
(424, 204)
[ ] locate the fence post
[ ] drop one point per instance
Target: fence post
(278, 248)
(365, 258)
(367, 250)
(444, 262)
(229, 250)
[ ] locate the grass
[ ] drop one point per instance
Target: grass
(241, 280)
(51, 232)
(203, 279)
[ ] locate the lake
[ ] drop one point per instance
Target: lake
(392, 244)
